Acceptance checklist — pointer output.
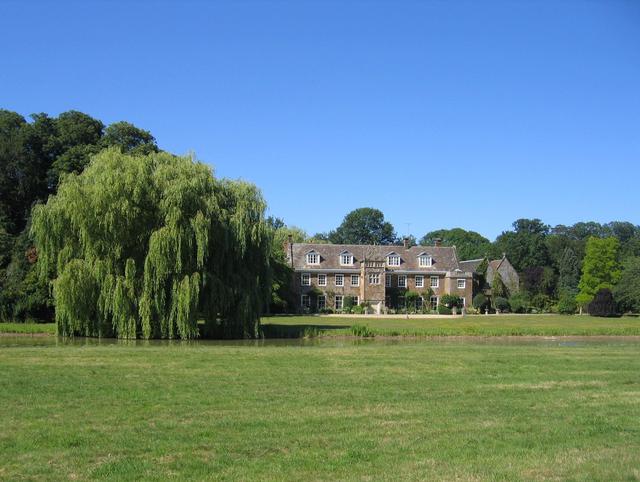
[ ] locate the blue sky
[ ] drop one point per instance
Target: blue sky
(441, 114)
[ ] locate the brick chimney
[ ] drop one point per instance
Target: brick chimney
(437, 242)
(405, 242)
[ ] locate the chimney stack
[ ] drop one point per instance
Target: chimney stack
(405, 242)
(437, 242)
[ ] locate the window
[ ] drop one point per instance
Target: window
(464, 301)
(305, 280)
(374, 278)
(339, 280)
(306, 301)
(419, 303)
(346, 259)
(356, 300)
(322, 280)
(462, 283)
(387, 280)
(425, 261)
(338, 302)
(322, 302)
(355, 280)
(402, 281)
(434, 302)
(313, 258)
(435, 281)
(393, 260)
(419, 281)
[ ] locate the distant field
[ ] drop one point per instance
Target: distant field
(472, 325)
(28, 328)
(478, 325)
(336, 410)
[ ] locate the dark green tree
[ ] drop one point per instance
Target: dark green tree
(569, 272)
(627, 291)
(524, 246)
(469, 244)
(498, 288)
(129, 138)
(364, 226)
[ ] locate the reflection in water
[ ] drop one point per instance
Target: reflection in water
(7, 341)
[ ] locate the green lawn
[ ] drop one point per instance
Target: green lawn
(424, 410)
(479, 325)
(28, 328)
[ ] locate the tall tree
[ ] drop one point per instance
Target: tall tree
(627, 291)
(498, 288)
(600, 268)
(129, 138)
(525, 245)
(172, 244)
(364, 226)
(469, 244)
(569, 272)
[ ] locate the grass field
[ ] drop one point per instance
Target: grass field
(478, 325)
(28, 328)
(339, 410)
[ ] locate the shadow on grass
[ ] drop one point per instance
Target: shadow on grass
(274, 330)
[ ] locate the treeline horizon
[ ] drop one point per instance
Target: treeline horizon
(38, 155)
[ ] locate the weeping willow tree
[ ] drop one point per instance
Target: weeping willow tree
(143, 246)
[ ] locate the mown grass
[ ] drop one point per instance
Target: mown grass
(337, 411)
(479, 325)
(28, 328)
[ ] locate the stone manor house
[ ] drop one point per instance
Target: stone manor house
(324, 274)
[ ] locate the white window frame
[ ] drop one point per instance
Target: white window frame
(402, 281)
(302, 278)
(437, 281)
(335, 304)
(355, 277)
(419, 281)
(316, 258)
(464, 283)
(431, 302)
(425, 261)
(322, 277)
(341, 278)
(374, 278)
(324, 302)
(387, 280)
(302, 301)
(396, 260)
(349, 259)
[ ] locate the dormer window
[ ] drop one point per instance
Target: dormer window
(425, 261)
(346, 259)
(313, 258)
(393, 259)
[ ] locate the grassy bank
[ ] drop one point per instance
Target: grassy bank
(28, 328)
(425, 411)
(479, 325)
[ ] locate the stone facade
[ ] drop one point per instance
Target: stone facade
(324, 274)
(508, 273)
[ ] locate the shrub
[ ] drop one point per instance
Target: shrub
(542, 302)
(451, 301)
(362, 331)
(603, 304)
(567, 304)
(326, 311)
(444, 310)
(519, 303)
(358, 310)
(501, 304)
(347, 310)
(480, 302)
(347, 304)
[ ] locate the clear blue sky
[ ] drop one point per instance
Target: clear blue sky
(441, 114)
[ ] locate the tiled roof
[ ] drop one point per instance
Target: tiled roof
(470, 265)
(443, 258)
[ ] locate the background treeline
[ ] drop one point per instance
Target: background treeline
(34, 156)
(560, 267)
